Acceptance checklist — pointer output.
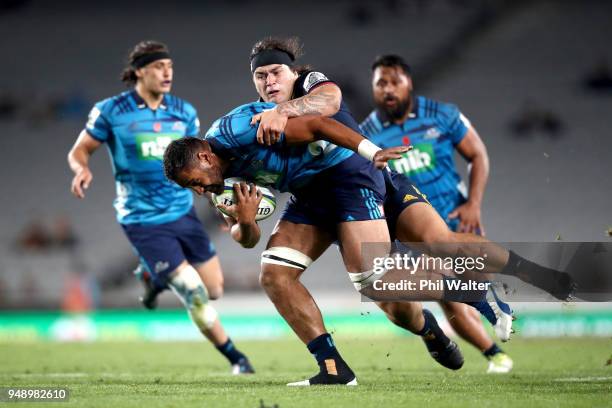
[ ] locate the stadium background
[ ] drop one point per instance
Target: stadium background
(533, 76)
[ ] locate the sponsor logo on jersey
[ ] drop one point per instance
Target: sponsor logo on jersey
(320, 147)
(420, 158)
(179, 126)
(312, 79)
(151, 146)
(157, 127)
(432, 133)
(266, 178)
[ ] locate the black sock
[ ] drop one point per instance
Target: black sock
(431, 331)
(230, 351)
(557, 283)
(333, 369)
(491, 351)
(323, 348)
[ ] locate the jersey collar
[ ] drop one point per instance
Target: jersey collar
(384, 119)
(140, 103)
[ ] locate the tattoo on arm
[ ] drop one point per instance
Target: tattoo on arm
(311, 104)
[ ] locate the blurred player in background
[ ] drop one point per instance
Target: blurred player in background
(435, 130)
(299, 91)
(156, 215)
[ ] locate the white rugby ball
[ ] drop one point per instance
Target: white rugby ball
(266, 206)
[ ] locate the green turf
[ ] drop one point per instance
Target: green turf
(392, 373)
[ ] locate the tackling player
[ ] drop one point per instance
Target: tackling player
(156, 215)
(435, 130)
(299, 91)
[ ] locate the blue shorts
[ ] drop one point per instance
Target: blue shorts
(352, 190)
(163, 247)
(401, 194)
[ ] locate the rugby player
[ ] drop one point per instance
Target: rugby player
(337, 195)
(297, 91)
(156, 215)
(435, 130)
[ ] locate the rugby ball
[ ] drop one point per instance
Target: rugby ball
(266, 206)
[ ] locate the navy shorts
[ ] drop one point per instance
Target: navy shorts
(163, 247)
(352, 190)
(401, 194)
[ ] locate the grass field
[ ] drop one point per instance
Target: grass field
(391, 373)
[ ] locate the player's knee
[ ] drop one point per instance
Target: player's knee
(188, 286)
(275, 277)
(280, 266)
(215, 289)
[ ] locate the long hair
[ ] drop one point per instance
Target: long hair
(128, 76)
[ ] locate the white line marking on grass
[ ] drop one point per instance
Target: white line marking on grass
(54, 375)
(580, 379)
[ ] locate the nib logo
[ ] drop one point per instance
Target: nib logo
(420, 158)
(153, 146)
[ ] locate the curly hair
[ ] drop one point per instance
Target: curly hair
(291, 45)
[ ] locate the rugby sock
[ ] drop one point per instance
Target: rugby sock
(333, 369)
(440, 347)
(491, 351)
(431, 331)
(230, 351)
(323, 348)
(557, 283)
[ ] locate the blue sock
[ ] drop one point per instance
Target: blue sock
(491, 351)
(230, 351)
(323, 348)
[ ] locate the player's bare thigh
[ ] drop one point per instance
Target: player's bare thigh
(351, 236)
(310, 240)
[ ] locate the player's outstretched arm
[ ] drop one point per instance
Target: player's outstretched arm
(307, 129)
(324, 100)
(243, 227)
(78, 159)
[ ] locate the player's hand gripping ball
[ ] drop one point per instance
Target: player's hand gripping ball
(227, 198)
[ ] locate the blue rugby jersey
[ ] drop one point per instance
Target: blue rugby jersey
(433, 129)
(285, 168)
(136, 137)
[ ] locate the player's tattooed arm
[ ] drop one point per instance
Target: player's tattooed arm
(324, 100)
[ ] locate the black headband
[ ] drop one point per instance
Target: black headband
(146, 59)
(267, 57)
